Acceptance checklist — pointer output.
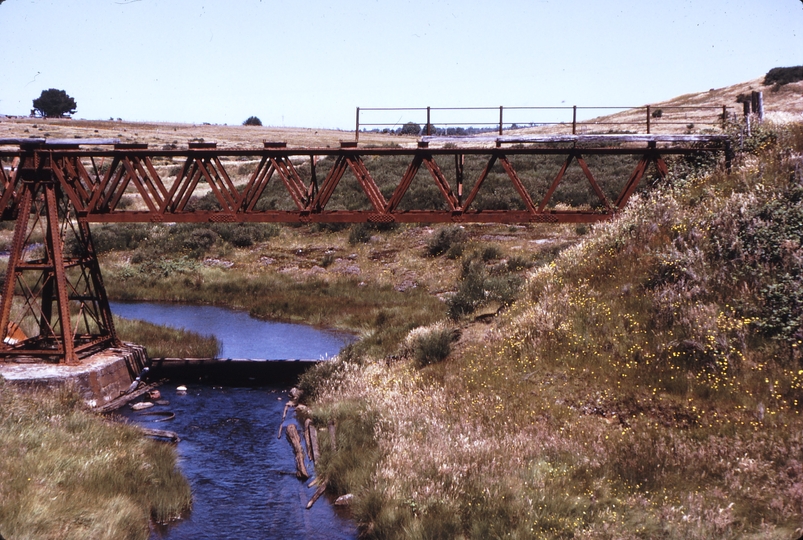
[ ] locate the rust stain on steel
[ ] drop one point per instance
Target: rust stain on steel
(61, 188)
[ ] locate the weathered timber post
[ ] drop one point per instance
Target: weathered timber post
(648, 119)
(760, 106)
(574, 120)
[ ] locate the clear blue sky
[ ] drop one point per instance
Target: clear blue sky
(309, 63)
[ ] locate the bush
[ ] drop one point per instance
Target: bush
(477, 288)
(783, 75)
(430, 344)
(446, 240)
(360, 233)
(54, 103)
(252, 121)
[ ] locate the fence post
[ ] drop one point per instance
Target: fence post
(724, 117)
(357, 128)
(429, 125)
(760, 102)
(574, 120)
(648, 119)
(500, 120)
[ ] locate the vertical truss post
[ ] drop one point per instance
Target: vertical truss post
(55, 250)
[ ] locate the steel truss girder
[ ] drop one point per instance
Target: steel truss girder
(96, 191)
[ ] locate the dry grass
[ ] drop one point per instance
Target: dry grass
(162, 134)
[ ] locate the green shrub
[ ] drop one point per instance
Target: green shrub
(252, 121)
(445, 239)
(477, 288)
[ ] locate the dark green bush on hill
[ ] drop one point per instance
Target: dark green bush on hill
(783, 75)
(252, 121)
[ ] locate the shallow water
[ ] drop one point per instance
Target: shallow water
(242, 476)
(241, 335)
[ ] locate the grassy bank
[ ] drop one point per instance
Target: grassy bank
(646, 384)
(66, 473)
(165, 342)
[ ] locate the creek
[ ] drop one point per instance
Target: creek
(242, 476)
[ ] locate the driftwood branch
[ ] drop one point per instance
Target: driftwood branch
(161, 434)
(317, 495)
(295, 441)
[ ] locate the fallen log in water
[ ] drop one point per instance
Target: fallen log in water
(161, 434)
(125, 398)
(317, 495)
(295, 441)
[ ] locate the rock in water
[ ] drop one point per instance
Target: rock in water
(142, 405)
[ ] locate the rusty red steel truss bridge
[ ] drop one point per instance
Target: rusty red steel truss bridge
(54, 305)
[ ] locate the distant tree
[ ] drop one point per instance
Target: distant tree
(54, 103)
(252, 121)
(410, 128)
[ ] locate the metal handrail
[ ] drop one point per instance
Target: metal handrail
(648, 110)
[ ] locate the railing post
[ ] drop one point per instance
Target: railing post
(648, 119)
(724, 117)
(574, 120)
(500, 120)
(357, 128)
(429, 124)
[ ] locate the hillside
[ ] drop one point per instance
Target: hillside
(645, 384)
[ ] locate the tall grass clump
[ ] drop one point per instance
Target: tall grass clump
(430, 344)
(70, 474)
(646, 383)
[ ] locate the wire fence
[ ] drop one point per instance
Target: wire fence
(454, 121)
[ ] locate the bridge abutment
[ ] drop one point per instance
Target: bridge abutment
(99, 378)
